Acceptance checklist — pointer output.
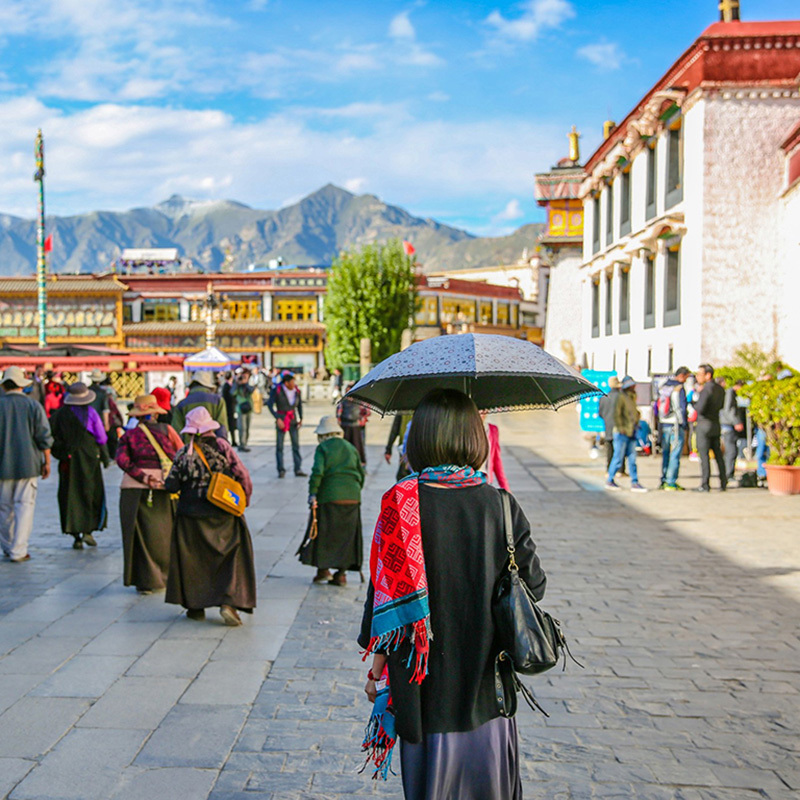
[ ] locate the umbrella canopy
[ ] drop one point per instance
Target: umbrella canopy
(499, 373)
(212, 359)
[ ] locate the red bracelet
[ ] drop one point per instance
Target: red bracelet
(371, 677)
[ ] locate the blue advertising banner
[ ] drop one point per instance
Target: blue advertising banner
(590, 406)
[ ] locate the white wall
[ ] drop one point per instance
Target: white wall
(563, 315)
(744, 236)
(789, 313)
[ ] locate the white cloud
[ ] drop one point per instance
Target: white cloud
(401, 28)
(536, 16)
(606, 56)
(512, 211)
(114, 156)
(439, 97)
(356, 185)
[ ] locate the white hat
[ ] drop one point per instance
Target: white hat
(204, 379)
(97, 376)
(16, 376)
(327, 425)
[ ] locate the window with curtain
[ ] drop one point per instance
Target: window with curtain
(650, 292)
(609, 214)
(595, 308)
(624, 301)
(652, 181)
(625, 188)
(674, 165)
(609, 305)
(672, 288)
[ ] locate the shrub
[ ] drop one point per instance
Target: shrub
(775, 406)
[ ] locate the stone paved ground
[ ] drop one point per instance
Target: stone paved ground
(683, 607)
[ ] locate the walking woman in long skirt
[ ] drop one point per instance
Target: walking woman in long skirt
(146, 510)
(79, 444)
(438, 550)
(211, 559)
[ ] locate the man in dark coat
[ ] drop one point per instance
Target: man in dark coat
(608, 405)
(286, 405)
(708, 404)
(230, 404)
(202, 393)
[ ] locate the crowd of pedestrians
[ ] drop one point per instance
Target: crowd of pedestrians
(695, 414)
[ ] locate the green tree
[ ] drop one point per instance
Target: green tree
(372, 294)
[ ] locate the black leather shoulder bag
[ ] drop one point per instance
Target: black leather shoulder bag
(530, 640)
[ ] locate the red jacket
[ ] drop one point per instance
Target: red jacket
(494, 464)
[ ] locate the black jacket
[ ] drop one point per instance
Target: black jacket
(708, 404)
(465, 551)
(279, 406)
(608, 405)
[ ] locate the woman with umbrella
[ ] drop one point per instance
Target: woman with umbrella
(146, 511)
(211, 559)
(333, 538)
(438, 551)
(79, 444)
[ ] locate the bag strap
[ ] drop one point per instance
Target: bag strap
(508, 527)
(199, 451)
(162, 456)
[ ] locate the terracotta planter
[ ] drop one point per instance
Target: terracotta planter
(783, 480)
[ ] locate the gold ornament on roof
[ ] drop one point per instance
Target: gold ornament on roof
(574, 145)
(729, 11)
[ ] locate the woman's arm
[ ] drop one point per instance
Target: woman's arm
(530, 570)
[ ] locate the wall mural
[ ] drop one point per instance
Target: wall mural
(81, 317)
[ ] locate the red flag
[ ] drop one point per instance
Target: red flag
(48, 244)
(408, 248)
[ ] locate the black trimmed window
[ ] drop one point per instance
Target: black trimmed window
(609, 305)
(609, 214)
(650, 291)
(674, 165)
(595, 308)
(625, 189)
(596, 223)
(652, 182)
(672, 287)
(624, 301)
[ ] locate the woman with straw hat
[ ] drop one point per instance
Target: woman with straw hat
(146, 511)
(80, 447)
(333, 538)
(211, 559)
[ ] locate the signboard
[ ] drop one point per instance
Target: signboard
(94, 318)
(590, 406)
(293, 341)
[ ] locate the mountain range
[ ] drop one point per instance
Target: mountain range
(311, 231)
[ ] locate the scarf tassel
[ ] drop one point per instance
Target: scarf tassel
(380, 747)
(391, 641)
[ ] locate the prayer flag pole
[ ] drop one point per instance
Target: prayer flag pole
(41, 260)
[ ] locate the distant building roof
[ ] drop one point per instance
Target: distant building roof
(63, 285)
(150, 254)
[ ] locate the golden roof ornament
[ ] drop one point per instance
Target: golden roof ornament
(729, 11)
(574, 145)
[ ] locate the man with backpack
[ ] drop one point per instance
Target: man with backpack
(673, 424)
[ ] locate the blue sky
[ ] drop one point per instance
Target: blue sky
(446, 108)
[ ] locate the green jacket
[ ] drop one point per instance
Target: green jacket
(337, 473)
(200, 397)
(626, 414)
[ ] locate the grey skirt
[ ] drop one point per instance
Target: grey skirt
(477, 765)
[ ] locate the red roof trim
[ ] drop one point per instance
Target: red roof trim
(691, 70)
(792, 140)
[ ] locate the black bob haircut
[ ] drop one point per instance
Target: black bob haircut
(446, 429)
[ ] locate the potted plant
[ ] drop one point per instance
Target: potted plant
(775, 407)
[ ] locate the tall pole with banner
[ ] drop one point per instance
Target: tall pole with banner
(41, 258)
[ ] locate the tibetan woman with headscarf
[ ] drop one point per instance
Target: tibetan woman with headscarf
(146, 510)
(211, 559)
(79, 444)
(439, 548)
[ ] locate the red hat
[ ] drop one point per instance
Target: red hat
(163, 397)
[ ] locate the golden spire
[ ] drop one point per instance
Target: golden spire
(574, 145)
(729, 11)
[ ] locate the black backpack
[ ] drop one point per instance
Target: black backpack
(749, 480)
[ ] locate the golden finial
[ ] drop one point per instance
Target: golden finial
(574, 145)
(729, 11)
(608, 128)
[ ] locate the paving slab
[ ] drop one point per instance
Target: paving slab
(34, 724)
(180, 783)
(84, 676)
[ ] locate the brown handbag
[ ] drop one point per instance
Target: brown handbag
(224, 492)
